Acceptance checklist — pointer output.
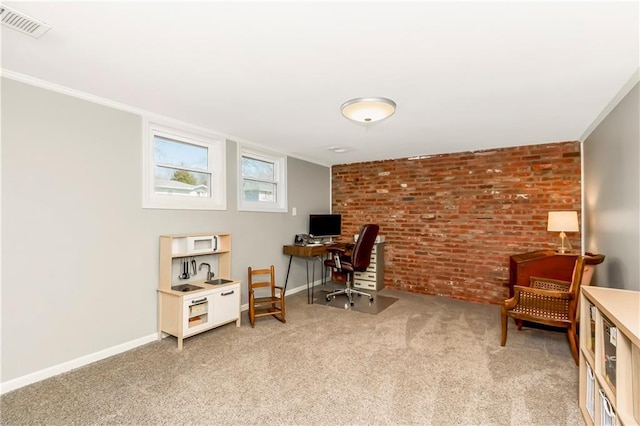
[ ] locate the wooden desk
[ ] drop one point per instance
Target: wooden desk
(309, 253)
(306, 251)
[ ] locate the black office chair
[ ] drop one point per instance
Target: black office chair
(357, 262)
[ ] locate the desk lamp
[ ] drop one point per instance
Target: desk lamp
(563, 221)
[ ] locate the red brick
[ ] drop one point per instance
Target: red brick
(451, 221)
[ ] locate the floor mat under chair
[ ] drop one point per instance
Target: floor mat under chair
(360, 303)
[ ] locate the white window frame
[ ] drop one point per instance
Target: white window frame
(216, 151)
(280, 179)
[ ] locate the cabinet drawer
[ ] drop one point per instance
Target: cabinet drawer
(364, 276)
(199, 309)
(369, 285)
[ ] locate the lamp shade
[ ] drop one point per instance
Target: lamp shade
(563, 221)
(368, 110)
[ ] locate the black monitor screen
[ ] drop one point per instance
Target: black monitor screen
(325, 225)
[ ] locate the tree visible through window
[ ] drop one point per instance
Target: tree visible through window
(183, 170)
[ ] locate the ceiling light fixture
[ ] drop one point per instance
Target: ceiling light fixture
(337, 149)
(368, 110)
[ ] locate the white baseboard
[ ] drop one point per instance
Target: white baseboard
(37, 376)
(74, 363)
(301, 288)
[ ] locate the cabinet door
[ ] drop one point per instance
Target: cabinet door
(226, 304)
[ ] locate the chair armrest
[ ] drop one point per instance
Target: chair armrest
(511, 303)
(549, 284)
(336, 250)
(593, 258)
(542, 292)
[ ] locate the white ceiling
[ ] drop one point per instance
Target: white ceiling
(465, 75)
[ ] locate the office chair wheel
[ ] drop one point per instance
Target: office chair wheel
(371, 299)
(328, 299)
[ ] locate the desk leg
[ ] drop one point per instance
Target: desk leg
(323, 270)
(308, 256)
(313, 275)
(309, 297)
(286, 280)
(309, 286)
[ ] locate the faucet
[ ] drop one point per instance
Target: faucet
(210, 274)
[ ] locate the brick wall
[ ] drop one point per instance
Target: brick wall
(451, 221)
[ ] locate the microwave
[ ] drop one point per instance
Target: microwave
(202, 244)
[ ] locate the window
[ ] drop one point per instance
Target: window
(182, 169)
(262, 182)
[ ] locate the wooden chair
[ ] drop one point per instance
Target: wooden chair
(547, 301)
(273, 303)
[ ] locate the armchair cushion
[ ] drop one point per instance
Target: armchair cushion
(541, 305)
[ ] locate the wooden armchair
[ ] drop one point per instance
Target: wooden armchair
(547, 301)
(272, 303)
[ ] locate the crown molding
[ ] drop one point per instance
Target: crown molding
(43, 84)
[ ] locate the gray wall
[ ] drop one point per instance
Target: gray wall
(612, 194)
(80, 255)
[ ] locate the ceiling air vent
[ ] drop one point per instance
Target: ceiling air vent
(23, 23)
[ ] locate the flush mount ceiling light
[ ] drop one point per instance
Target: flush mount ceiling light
(337, 149)
(368, 110)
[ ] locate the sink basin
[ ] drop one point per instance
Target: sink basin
(218, 281)
(186, 287)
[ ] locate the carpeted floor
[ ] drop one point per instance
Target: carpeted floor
(422, 360)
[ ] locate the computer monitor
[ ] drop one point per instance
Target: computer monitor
(325, 225)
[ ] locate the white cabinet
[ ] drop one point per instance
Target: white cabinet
(226, 304)
(610, 356)
(204, 306)
(373, 277)
(210, 309)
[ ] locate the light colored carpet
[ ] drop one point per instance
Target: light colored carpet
(423, 360)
